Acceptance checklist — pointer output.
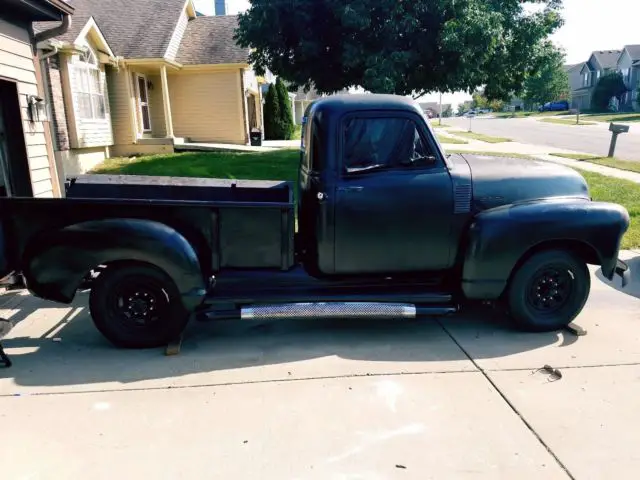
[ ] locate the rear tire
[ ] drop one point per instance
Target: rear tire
(137, 306)
(548, 291)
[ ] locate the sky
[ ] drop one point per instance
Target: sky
(589, 25)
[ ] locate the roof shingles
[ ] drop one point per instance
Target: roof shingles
(133, 29)
(209, 40)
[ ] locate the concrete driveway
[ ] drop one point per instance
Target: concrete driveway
(592, 139)
(458, 397)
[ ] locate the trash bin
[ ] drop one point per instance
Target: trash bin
(256, 138)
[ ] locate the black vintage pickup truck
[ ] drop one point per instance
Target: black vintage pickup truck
(388, 226)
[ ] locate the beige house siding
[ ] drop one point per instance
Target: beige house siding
(120, 105)
(156, 107)
(17, 63)
(176, 38)
(207, 106)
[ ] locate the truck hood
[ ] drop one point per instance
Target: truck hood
(502, 181)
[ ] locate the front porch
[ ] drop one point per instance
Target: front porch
(166, 105)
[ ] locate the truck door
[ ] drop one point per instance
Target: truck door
(393, 196)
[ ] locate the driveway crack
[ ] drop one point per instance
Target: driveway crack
(508, 402)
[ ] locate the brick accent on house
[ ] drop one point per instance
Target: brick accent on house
(58, 113)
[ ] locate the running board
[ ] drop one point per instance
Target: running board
(329, 310)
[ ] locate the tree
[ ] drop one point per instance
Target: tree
(610, 85)
(402, 47)
(464, 106)
(286, 116)
(271, 114)
(480, 100)
(550, 83)
(447, 112)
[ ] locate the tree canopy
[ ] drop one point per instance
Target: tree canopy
(480, 100)
(550, 83)
(400, 46)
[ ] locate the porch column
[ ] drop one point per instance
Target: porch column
(168, 121)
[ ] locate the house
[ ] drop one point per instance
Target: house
(629, 66)
(575, 80)
(432, 109)
(132, 78)
(600, 63)
(27, 165)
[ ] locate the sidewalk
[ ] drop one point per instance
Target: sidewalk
(540, 152)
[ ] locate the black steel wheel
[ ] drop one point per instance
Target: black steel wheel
(548, 291)
(137, 306)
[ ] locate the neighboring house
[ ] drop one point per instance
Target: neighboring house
(131, 78)
(432, 109)
(629, 66)
(575, 80)
(27, 165)
(302, 99)
(599, 64)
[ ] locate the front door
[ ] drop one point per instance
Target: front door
(143, 103)
(393, 199)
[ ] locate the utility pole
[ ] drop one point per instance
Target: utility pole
(440, 120)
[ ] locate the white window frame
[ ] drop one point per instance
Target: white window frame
(139, 102)
(89, 82)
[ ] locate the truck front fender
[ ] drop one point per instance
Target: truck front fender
(55, 262)
(500, 238)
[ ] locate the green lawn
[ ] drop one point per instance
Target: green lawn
(450, 140)
(565, 121)
(277, 165)
(614, 117)
(609, 162)
(493, 154)
(528, 114)
(482, 138)
(283, 165)
(436, 125)
(627, 194)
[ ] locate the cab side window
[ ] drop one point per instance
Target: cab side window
(371, 143)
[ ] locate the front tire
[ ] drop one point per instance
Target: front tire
(137, 306)
(548, 291)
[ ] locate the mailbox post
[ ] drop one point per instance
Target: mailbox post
(616, 129)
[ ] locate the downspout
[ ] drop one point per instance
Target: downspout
(41, 37)
(54, 32)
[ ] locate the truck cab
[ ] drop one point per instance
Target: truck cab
(377, 193)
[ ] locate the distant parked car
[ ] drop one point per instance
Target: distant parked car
(558, 106)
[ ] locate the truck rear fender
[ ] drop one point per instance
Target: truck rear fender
(56, 262)
(501, 239)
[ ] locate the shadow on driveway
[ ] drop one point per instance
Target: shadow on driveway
(81, 356)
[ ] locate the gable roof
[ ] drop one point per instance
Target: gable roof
(133, 28)
(209, 41)
(575, 67)
(606, 58)
(633, 51)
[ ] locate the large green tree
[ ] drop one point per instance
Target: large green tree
(550, 83)
(400, 46)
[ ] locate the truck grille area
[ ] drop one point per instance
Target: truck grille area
(329, 310)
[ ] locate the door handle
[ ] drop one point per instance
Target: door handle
(351, 189)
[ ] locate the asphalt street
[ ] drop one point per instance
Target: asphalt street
(592, 139)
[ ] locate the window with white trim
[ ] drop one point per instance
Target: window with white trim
(89, 88)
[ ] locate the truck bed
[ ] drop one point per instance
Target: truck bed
(246, 225)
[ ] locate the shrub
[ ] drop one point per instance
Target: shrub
(610, 85)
